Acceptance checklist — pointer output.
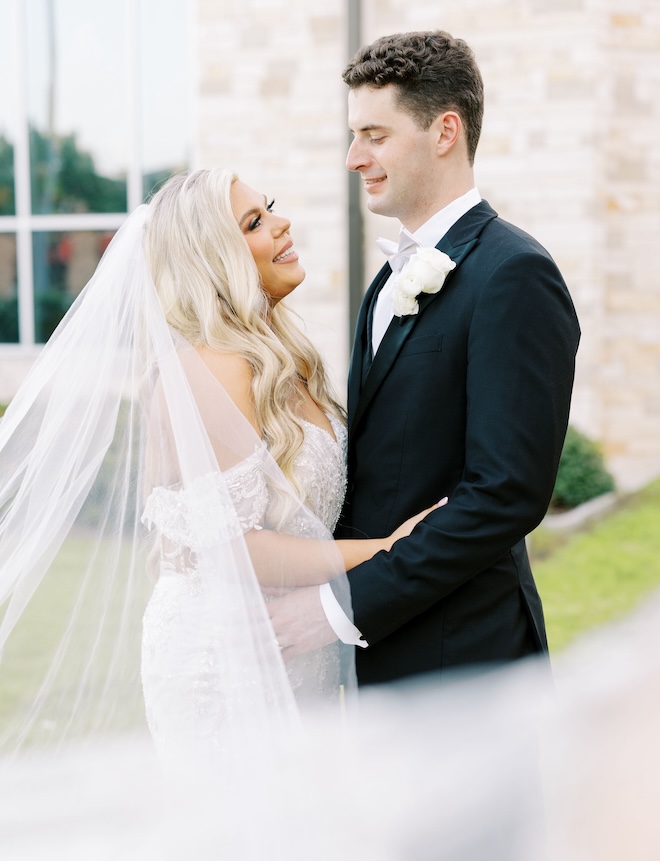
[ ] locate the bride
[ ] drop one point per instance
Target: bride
(179, 423)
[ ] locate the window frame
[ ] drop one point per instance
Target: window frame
(24, 223)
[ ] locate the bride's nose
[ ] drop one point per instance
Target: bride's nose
(282, 225)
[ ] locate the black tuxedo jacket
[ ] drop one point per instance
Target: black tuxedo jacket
(470, 399)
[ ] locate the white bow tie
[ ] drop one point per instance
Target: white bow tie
(396, 256)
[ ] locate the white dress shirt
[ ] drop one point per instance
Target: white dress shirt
(426, 236)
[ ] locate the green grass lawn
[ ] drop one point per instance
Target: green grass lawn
(602, 573)
(106, 666)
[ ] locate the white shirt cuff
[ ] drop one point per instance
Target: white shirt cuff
(338, 620)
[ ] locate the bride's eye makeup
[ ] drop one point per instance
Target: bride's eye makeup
(257, 221)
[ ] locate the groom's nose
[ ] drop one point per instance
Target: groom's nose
(355, 157)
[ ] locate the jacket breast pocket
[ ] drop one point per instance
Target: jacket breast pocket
(422, 344)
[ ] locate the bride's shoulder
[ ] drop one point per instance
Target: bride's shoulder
(234, 373)
(226, 365)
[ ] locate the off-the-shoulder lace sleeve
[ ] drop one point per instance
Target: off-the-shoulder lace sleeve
(216, 507)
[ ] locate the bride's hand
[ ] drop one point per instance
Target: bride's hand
(407, 526)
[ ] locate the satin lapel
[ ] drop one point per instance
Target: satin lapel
(360, 342)
(383, 360)
(401, 327)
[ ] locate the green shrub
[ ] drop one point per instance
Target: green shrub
(3, 407)
(582, 473)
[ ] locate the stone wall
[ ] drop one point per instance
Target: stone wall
(627, 379)
(272, 107)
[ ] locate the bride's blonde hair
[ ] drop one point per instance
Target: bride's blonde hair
(209, 286)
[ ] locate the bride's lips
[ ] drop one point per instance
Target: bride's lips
(286, 255)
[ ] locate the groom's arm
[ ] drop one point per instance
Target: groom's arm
(520, 366)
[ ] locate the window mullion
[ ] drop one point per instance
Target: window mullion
(22, 184)
(134, 191)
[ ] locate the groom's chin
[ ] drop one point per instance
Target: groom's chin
(377, 204)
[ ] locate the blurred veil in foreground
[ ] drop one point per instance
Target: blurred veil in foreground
(490, 767)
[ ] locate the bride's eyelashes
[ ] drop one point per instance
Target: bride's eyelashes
(257, 221)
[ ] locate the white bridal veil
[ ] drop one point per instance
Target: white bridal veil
(124, 463)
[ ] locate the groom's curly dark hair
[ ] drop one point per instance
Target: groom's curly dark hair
(432, 72)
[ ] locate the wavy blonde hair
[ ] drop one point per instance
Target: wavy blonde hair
(209, 286)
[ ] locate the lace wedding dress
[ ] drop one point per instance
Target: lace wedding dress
(185, 675)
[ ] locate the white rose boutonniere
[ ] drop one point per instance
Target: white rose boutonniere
(425, 272)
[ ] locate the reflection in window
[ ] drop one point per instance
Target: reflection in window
(8, 290)
(65, 179)
(164, 94)
(7, 199)
(77, 105)
(63, 264)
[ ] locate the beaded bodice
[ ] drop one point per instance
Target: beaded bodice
(224, 505)
(320, 468)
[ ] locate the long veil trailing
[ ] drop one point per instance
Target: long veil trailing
(131, 482)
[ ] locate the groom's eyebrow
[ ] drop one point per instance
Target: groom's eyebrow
(371, 127)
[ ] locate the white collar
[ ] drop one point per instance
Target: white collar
(432, 231)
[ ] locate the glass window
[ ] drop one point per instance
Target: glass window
(8, 97)
(103, 119)
(8, 289)
(63, 263)
(77, 105)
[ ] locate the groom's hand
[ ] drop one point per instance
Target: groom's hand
(300, 622)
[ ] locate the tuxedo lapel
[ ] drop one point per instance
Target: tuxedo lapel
(361, 356)
(457, 244)
(393, 340)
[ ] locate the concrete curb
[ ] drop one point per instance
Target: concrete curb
(588, 512)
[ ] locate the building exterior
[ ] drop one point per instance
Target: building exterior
(568, 152)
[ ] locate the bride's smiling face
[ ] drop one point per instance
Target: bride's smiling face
(267, 235)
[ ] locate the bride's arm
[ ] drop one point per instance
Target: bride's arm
(287, 560)
(354, 551)
(282, 560)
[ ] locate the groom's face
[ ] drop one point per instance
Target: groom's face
(396, 158)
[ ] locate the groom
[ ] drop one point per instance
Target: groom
(464, 392)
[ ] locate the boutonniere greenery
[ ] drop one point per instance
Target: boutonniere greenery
(424, 272)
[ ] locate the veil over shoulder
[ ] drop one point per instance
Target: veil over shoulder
(132, 483)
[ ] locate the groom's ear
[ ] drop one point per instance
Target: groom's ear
(447, 130)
